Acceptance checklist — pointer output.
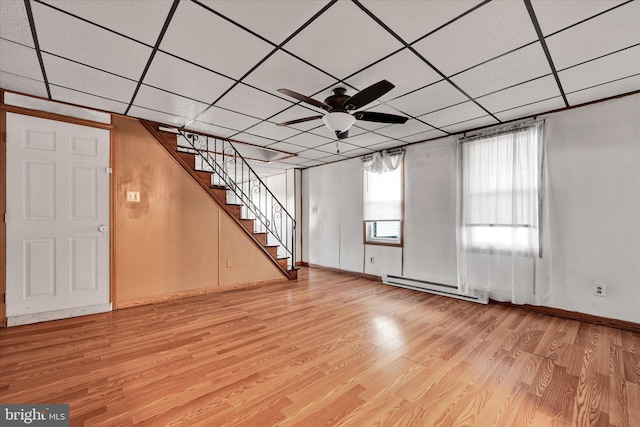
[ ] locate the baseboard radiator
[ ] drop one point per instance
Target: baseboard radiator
(434, 288)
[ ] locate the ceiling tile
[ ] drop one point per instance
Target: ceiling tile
(271, 130)
(253, 139)
(334, 158)
(206, 39)
(355, 152)
(183, 78)
(343, 40)
(617, 87)
(14, 24)
(332, 148)
(88, 44)
(531, 109)
(84, 99)
(289, 148)
(22, 84)
(213, 130)
(308, 140)
(310, 164)
(228, 119)
(557, 15)
(536, 90)
(20, 60)
(411, 127)
(455, 114)
(294, 161)
(285, 16)
(431, 98)
(300, 77)
(169, 103)
(345, 147)
(604, 34)
(86, 79)
(313, 154)
(404, 69)
(367, 139)
(156, 116)
(411, 19)
(524, 64)
(124, 19)
(489, 31)
(612, 67)
(424, 136)
(250, 101)
(470, 124)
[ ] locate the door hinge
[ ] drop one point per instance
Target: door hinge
(108, 170)
(4, 137)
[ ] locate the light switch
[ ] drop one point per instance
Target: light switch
(133, 196)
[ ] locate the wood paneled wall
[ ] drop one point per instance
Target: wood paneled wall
(176, 240)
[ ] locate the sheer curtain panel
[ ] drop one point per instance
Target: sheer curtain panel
(502, 215)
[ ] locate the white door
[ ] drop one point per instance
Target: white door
(57, 219)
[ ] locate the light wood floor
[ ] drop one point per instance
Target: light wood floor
(329, 349)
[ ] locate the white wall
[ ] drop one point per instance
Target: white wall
(594, 177)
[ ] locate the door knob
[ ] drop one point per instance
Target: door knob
(102, 228)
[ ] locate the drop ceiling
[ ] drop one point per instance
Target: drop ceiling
(216, 66)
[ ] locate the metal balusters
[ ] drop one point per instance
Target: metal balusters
(245, 188)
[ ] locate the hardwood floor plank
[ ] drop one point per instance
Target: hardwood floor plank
(328, 349)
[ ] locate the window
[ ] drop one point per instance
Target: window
(499, 190)
(382, 207)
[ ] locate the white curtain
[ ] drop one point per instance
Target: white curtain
(383, 161)
(502, 215)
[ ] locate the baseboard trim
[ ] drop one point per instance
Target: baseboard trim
(184, 294)
(25, 319)
(353, 273)
(576, 315)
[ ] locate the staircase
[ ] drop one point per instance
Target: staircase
(219, 168)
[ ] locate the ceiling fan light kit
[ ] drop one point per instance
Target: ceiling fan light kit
(338, 122)
(338, 119)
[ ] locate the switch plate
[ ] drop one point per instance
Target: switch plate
(228, 262)
(133, 196)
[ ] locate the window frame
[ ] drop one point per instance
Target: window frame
(369, 239)
(367, 225)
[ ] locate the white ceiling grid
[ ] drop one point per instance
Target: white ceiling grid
(215, 66)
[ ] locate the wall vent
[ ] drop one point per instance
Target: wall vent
(434, 288)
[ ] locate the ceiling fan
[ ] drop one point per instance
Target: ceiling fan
(338, 119)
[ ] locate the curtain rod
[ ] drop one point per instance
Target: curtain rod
(502, 130)
(396, 150)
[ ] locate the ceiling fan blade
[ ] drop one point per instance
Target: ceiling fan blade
(304, 119)
(304, 98)
(368, 95)
(372, 116)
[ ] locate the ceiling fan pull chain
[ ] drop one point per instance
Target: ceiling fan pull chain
(337, 147)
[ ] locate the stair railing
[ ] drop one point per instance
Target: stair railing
(244, 187)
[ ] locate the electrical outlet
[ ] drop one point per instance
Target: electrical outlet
(599, 289)
(133, 196)
(372, 260)
(228, 262)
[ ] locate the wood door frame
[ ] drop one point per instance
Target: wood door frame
(4, 109)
